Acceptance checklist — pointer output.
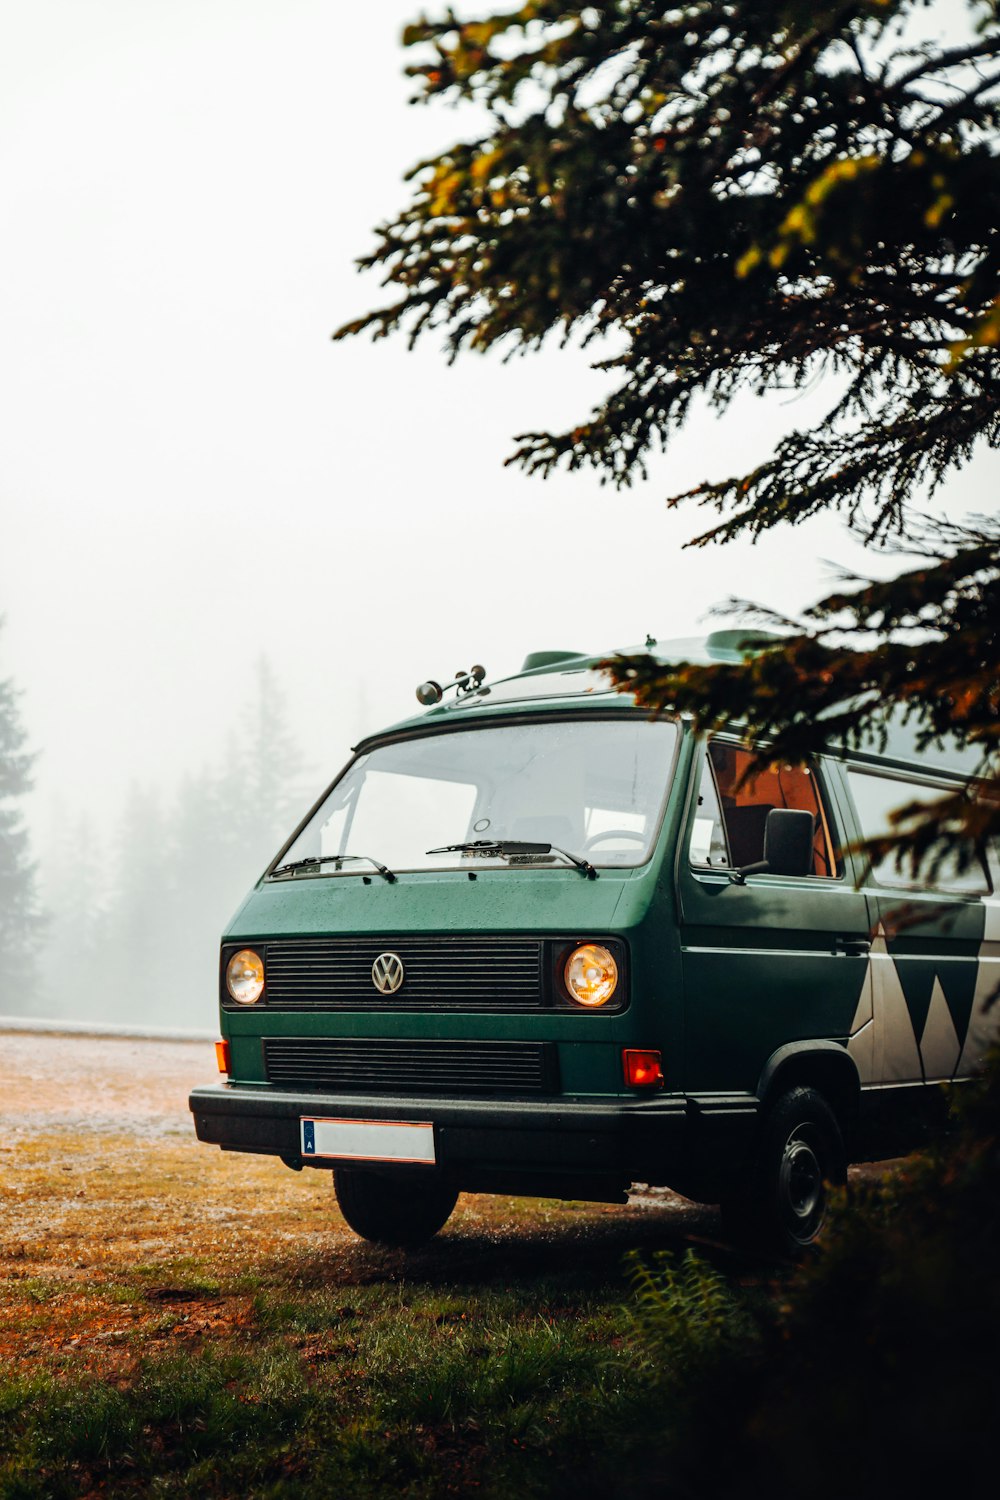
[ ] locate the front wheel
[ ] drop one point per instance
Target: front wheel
(393, 1210)
(799, 1153)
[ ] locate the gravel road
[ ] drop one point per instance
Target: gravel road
(99, 1085)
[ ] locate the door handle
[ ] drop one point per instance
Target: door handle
(852, 947)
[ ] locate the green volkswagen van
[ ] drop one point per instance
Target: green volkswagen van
(534, 942)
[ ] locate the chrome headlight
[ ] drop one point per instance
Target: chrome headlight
(245, 976)
(590, 975)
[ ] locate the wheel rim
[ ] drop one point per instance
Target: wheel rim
(800, 1186)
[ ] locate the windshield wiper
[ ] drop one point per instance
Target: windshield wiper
(506, 848)
(331, 859)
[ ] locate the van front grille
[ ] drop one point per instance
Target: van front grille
(441, 974)
(361, 1066)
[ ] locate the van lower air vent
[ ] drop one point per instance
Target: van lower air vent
(353, 1065)
(441, 974)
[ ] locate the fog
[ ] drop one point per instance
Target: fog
(228, 546)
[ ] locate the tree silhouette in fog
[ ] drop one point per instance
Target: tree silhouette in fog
(20, 919)
(141, 945)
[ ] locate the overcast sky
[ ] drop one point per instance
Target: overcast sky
(191, 473)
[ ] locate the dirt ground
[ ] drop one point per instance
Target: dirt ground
(104, 1187)
(99, 1163)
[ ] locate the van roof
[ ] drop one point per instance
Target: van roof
(552, 677)
(563, 678)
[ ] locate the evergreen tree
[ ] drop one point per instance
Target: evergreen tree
(205, 883)
(74, 956)
(749, 195)
(142, 946)
(136, 968)
(20, 918)
(274, 767)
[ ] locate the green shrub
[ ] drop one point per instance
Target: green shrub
(685, 1313)
(876, 1372)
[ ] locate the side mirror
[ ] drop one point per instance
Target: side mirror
(788, 841)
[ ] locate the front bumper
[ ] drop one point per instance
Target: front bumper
(494, 1143)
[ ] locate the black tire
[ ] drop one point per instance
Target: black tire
(799, 1153)
(393, 1210)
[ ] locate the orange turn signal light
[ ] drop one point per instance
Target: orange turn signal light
(643, 1069)
(222, 1057)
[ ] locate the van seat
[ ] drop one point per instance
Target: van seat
(745, 827)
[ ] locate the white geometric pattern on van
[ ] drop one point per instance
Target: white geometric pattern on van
(984, 1022)
(894, 1054)
(861, 1041)
(939, 1045)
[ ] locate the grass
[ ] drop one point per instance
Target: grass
(282, 1362)
(521, 1357)
(185, 1347)
(203, 1324)
(411, 1388)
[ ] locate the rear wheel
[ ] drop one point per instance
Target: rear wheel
(799, 1153)
(393, 1210)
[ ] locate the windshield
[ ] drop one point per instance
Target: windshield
(593, 788)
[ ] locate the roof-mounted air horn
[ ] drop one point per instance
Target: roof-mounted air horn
(465, 683)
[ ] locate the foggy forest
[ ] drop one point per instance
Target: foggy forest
(121, 924)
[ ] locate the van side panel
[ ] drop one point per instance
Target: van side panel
(934, 964)
(766, 963)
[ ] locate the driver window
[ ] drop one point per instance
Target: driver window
(747, 796)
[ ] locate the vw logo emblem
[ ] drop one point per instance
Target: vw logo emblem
(388, 973)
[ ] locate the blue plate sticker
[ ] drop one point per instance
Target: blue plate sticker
(308, 1137)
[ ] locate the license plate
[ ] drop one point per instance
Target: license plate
(368, 1140)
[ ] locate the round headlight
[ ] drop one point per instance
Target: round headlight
(591, 974)
(245, 976)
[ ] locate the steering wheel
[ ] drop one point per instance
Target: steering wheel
(613, 833)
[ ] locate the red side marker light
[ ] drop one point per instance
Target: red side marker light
(643, 1070)
(222, 1057)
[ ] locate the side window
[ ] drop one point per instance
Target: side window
(708, 838)
(875, 797)
(748, 796)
